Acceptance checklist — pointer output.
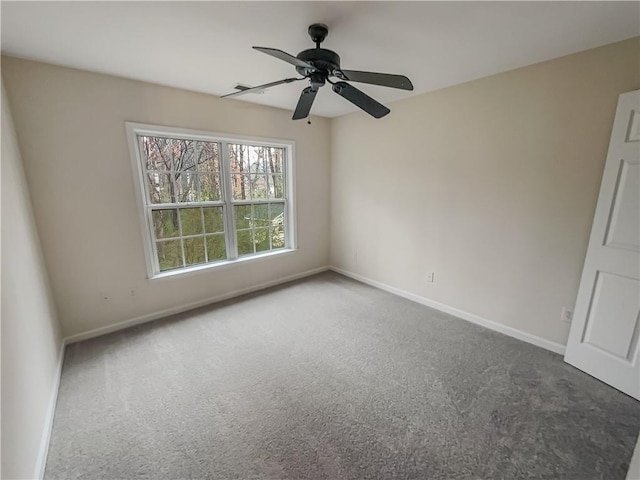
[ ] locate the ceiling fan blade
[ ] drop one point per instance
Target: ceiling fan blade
(360, 99)
(374, 78)
(261, 87)
(274, 52)
(304, 103)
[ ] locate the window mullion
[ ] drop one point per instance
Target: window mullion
(227, 197)
(204, 236)
(269, 226)
(174, 183)
(155, 265)
(287, 184)
(162, 206)
(184, 260)
(154, 244)
(175, 199)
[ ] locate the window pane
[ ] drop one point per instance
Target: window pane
(277, 236)
(276, 213)
(257, 159)
(261, 215)
(213, 220)
(194, 250)
(155, 152)
(191, 221)
(238, 158)
(160, 188)
(209, 187)
(208, 158)
(259, 186)
(243, 216)
(216, 249)
(240, 187)
(275, 160)
(276, 186)
(245, 242)
(276, 210)
(261, 236)
(169, 254)
(180, 154)
(165, 223)
(184, 154)
(186, 187)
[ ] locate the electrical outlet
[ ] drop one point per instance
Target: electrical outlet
(566, 315)
(431, 277)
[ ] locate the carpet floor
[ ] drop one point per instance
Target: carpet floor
(327, 378)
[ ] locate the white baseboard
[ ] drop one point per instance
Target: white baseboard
(96, 332)
(470, 317)
(41, 461)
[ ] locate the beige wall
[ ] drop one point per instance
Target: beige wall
(71, 129)
(31, 342)
(492, 184)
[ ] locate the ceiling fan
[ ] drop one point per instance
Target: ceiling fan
(318, 65)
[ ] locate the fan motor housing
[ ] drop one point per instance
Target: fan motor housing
(321, 58)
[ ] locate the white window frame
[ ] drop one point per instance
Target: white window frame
(134, 130)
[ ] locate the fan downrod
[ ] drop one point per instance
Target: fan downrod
(318, 32)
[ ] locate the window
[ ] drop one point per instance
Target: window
(210, 200)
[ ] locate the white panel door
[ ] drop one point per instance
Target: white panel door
(604, 334)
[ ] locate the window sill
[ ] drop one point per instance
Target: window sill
(221, 265)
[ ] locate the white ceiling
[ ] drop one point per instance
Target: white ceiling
(206, 46)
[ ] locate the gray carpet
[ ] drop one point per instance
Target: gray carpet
(329, 378)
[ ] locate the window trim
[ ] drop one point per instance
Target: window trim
(134, 130)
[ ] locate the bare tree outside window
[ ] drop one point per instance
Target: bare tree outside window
(187, 199)
(257, 181)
